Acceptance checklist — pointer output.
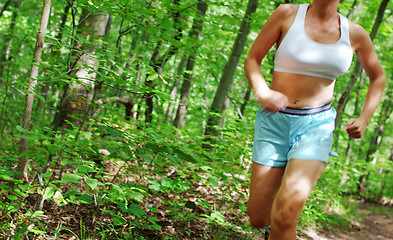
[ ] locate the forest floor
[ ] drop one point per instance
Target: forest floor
(88, 221)
(374, 223)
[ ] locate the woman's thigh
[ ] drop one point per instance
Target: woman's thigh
(297, 182)
(265, 182)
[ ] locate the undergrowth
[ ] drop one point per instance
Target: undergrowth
(118, 182)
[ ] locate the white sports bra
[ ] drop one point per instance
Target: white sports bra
(299, 54)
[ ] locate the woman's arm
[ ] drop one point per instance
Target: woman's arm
(369, 61)
(270, 34)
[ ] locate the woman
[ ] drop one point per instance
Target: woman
(295, 123)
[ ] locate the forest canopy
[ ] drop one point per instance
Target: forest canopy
(133, 119)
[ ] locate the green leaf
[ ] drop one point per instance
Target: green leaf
(226, 195)
(53, 148)
(20, 193)
(156, 226)
(216, 215)
(85, 168)
(137, 196)
(119, 220)
(92, 183)
(153, 146)
(36, 231)
(12, 197)
(108, 130)
(71, 177)
(175, 159)
(136, 210)
(36, 214)
(48, 193)
(85, 199)
(47, 175)
(167, 182)
(5, 177)
(214, 181)
(166, 24)
(154, 185)
(204, 204)
(24, 187)
(114, 132)
(58, 197)
(184, 155)
(206, 168)
(153, 219)
(191, 216)
(21, 129)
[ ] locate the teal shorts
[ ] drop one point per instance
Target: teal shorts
(293, 134)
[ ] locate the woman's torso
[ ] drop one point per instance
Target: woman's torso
(305, 90)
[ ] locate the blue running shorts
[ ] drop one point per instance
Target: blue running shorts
(293, 133)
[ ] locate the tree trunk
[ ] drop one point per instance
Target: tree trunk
(4, 58)
(358, 68)
(227, 76)
(98, 86)
(391, 154)
(5, 7)
(159, 62)
(22, 163)
(353, 9)
(80, 93)
(345, 95)
(149, 96)
(44, 89)
(245, 100)
(169, 112)
(351, 141)
(181, 112)
(383, 121)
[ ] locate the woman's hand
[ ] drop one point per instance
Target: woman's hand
(272, 101)
(355, 127)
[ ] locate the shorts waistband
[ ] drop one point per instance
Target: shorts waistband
(307, 110)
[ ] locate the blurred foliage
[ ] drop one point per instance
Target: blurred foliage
(112, 178)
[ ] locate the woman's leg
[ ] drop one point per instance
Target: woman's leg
(298, 180)
(264, 185)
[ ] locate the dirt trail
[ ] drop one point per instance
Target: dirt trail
(376, 223)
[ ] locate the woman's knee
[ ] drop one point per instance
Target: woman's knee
(258, 216)
(258, 221)
(286, 211)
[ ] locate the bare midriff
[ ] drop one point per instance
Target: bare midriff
(302, 90)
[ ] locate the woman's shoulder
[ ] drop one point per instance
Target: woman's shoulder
(285, 12)
(358, 35)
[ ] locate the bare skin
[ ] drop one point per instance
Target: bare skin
(298, 180)
(277, 195)
(309, 91)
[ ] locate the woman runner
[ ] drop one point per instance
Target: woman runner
(294, 125)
